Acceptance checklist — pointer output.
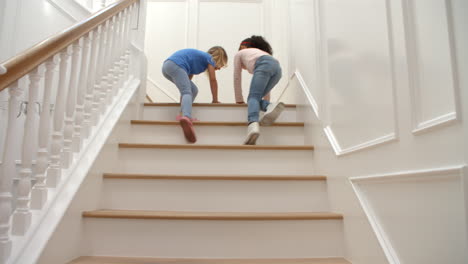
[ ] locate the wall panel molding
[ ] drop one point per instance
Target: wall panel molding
(339, 151)
(160, 87)
(323, 81)
(456, 172)
(307, 93)
(412, 42)
(79, 8)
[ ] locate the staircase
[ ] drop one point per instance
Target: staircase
(215, 201)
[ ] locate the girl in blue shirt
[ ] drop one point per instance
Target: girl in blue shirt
(180, 67)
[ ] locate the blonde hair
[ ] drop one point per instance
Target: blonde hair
(219, 56)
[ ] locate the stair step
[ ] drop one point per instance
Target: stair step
(127, 260)
(212, 159)
(252, 216)
(210, 105)
(215, 177)
(212, 132)
(216, 147)
(226, 236)
(209, 112)
(218, 193)
(213, 123)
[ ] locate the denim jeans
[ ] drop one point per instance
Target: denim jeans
(266, 75)
(188, 90)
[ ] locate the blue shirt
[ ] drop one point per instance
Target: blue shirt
(193, 61)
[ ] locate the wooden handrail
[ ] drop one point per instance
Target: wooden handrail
(23, 63)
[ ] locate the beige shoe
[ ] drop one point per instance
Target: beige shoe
(272, 113)
(253, 132)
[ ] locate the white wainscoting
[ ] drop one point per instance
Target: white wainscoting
(343, 64)
(427, 214)
(360, 85)
(339, 150)
(432, 63)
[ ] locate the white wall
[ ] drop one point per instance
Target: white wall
(385, 79)
(201, 24)
(26, 22)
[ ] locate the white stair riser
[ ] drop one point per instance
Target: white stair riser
(172, 134)
(215, 239)
(169, 113)
(196, 161)
(215, 195)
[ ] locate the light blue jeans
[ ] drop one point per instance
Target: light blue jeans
(188, 90)
(266, 75)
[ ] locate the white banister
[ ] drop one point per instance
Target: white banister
(80, 96)
(39, 191)
(8, 172)
(22, 215)
(72, 105)
(54, 172)
(67, 153)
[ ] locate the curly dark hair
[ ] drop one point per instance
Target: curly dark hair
(257, 42)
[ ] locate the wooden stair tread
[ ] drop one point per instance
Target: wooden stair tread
(212, 123)
(125, 260)
(181, 215)
(210, 105)
(219, 147)
(215, 177)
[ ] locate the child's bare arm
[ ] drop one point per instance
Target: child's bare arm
(213, 83)
(238, 79)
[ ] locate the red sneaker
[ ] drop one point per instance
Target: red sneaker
(187, 127)
(180, 116)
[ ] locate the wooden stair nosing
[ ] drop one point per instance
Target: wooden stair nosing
(212, 123)
(235, 216)
(217, 147)
(146, 260)
(210, 105)
(215, 177)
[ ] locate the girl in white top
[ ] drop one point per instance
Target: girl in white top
(255, 56)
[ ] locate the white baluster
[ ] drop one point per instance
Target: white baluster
(123, 58)
(128, 42)
(106, 80)
(67, 153)
(109, 43)
(103, 3)
(80, 97)
(54, 172)
(111, 77)
(118, 69)
(39, 191)
(96, 76)
(103, 81)
(8, 172)
(22, 215)
(87, 123)
(102, 50)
